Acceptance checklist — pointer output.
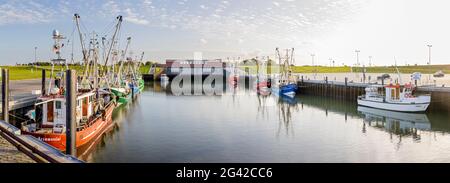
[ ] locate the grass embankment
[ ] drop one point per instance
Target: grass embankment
(31, 72)
(379, 69)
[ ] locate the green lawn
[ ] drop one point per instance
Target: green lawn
(381, 69)
(31, 72)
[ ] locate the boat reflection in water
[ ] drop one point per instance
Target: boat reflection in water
(398, 123)
(286, 107)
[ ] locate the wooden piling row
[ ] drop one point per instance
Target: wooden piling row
(330, 89)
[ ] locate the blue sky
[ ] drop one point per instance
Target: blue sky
(167, 29)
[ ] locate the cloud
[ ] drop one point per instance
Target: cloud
(110, 8)
(24, 13)
(137, 20)
(134, 18)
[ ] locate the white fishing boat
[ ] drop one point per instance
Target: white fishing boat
(396, 98)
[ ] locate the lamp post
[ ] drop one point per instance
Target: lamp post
(357, 57)
(35, 57)
(429, 53)
(370, 61)
(312, 58)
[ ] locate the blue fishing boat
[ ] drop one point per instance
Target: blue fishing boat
(284, 84)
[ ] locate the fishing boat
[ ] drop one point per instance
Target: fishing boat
(263, 82)
(93, 116)
(128, 81)
(396, 98)
(233, 79)
(284, 84)
(439, 74)
(123, 94)
(94, 106)
(263, 85)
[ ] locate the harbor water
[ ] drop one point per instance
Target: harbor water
(241, 126)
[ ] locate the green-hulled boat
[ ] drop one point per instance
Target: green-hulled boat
(141, 84)
(123, 95)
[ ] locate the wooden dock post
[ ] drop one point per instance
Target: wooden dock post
(224, 79)
(345, 89)
(71, 92)
(43, 82)
(5, 94)
(247, 77)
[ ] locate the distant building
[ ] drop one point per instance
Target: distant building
(194, 67)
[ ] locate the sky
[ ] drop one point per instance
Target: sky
(390, 31)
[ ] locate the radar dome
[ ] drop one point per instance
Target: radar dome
(56, 33)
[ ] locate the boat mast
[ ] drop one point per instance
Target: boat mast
(83, 49)
(398, 72)
(118, 25)
(122, 59)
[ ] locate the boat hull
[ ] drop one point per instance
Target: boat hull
(287, 90)
(394, 106)
(83, 137)
(122, 98)
(141, 85)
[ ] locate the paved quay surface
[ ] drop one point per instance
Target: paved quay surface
(19, 90)
(10, 154)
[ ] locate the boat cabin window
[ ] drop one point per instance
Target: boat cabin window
(58, 104)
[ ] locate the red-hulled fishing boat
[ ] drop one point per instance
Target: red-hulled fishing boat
(233, 80)
(94, 102)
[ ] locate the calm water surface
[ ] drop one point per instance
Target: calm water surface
(240, 126)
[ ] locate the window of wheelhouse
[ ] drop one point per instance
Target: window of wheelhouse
(58, 105)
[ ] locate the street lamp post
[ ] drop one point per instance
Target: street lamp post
(357, 57)
(429, 54)
(370, 61)
(35, 57)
